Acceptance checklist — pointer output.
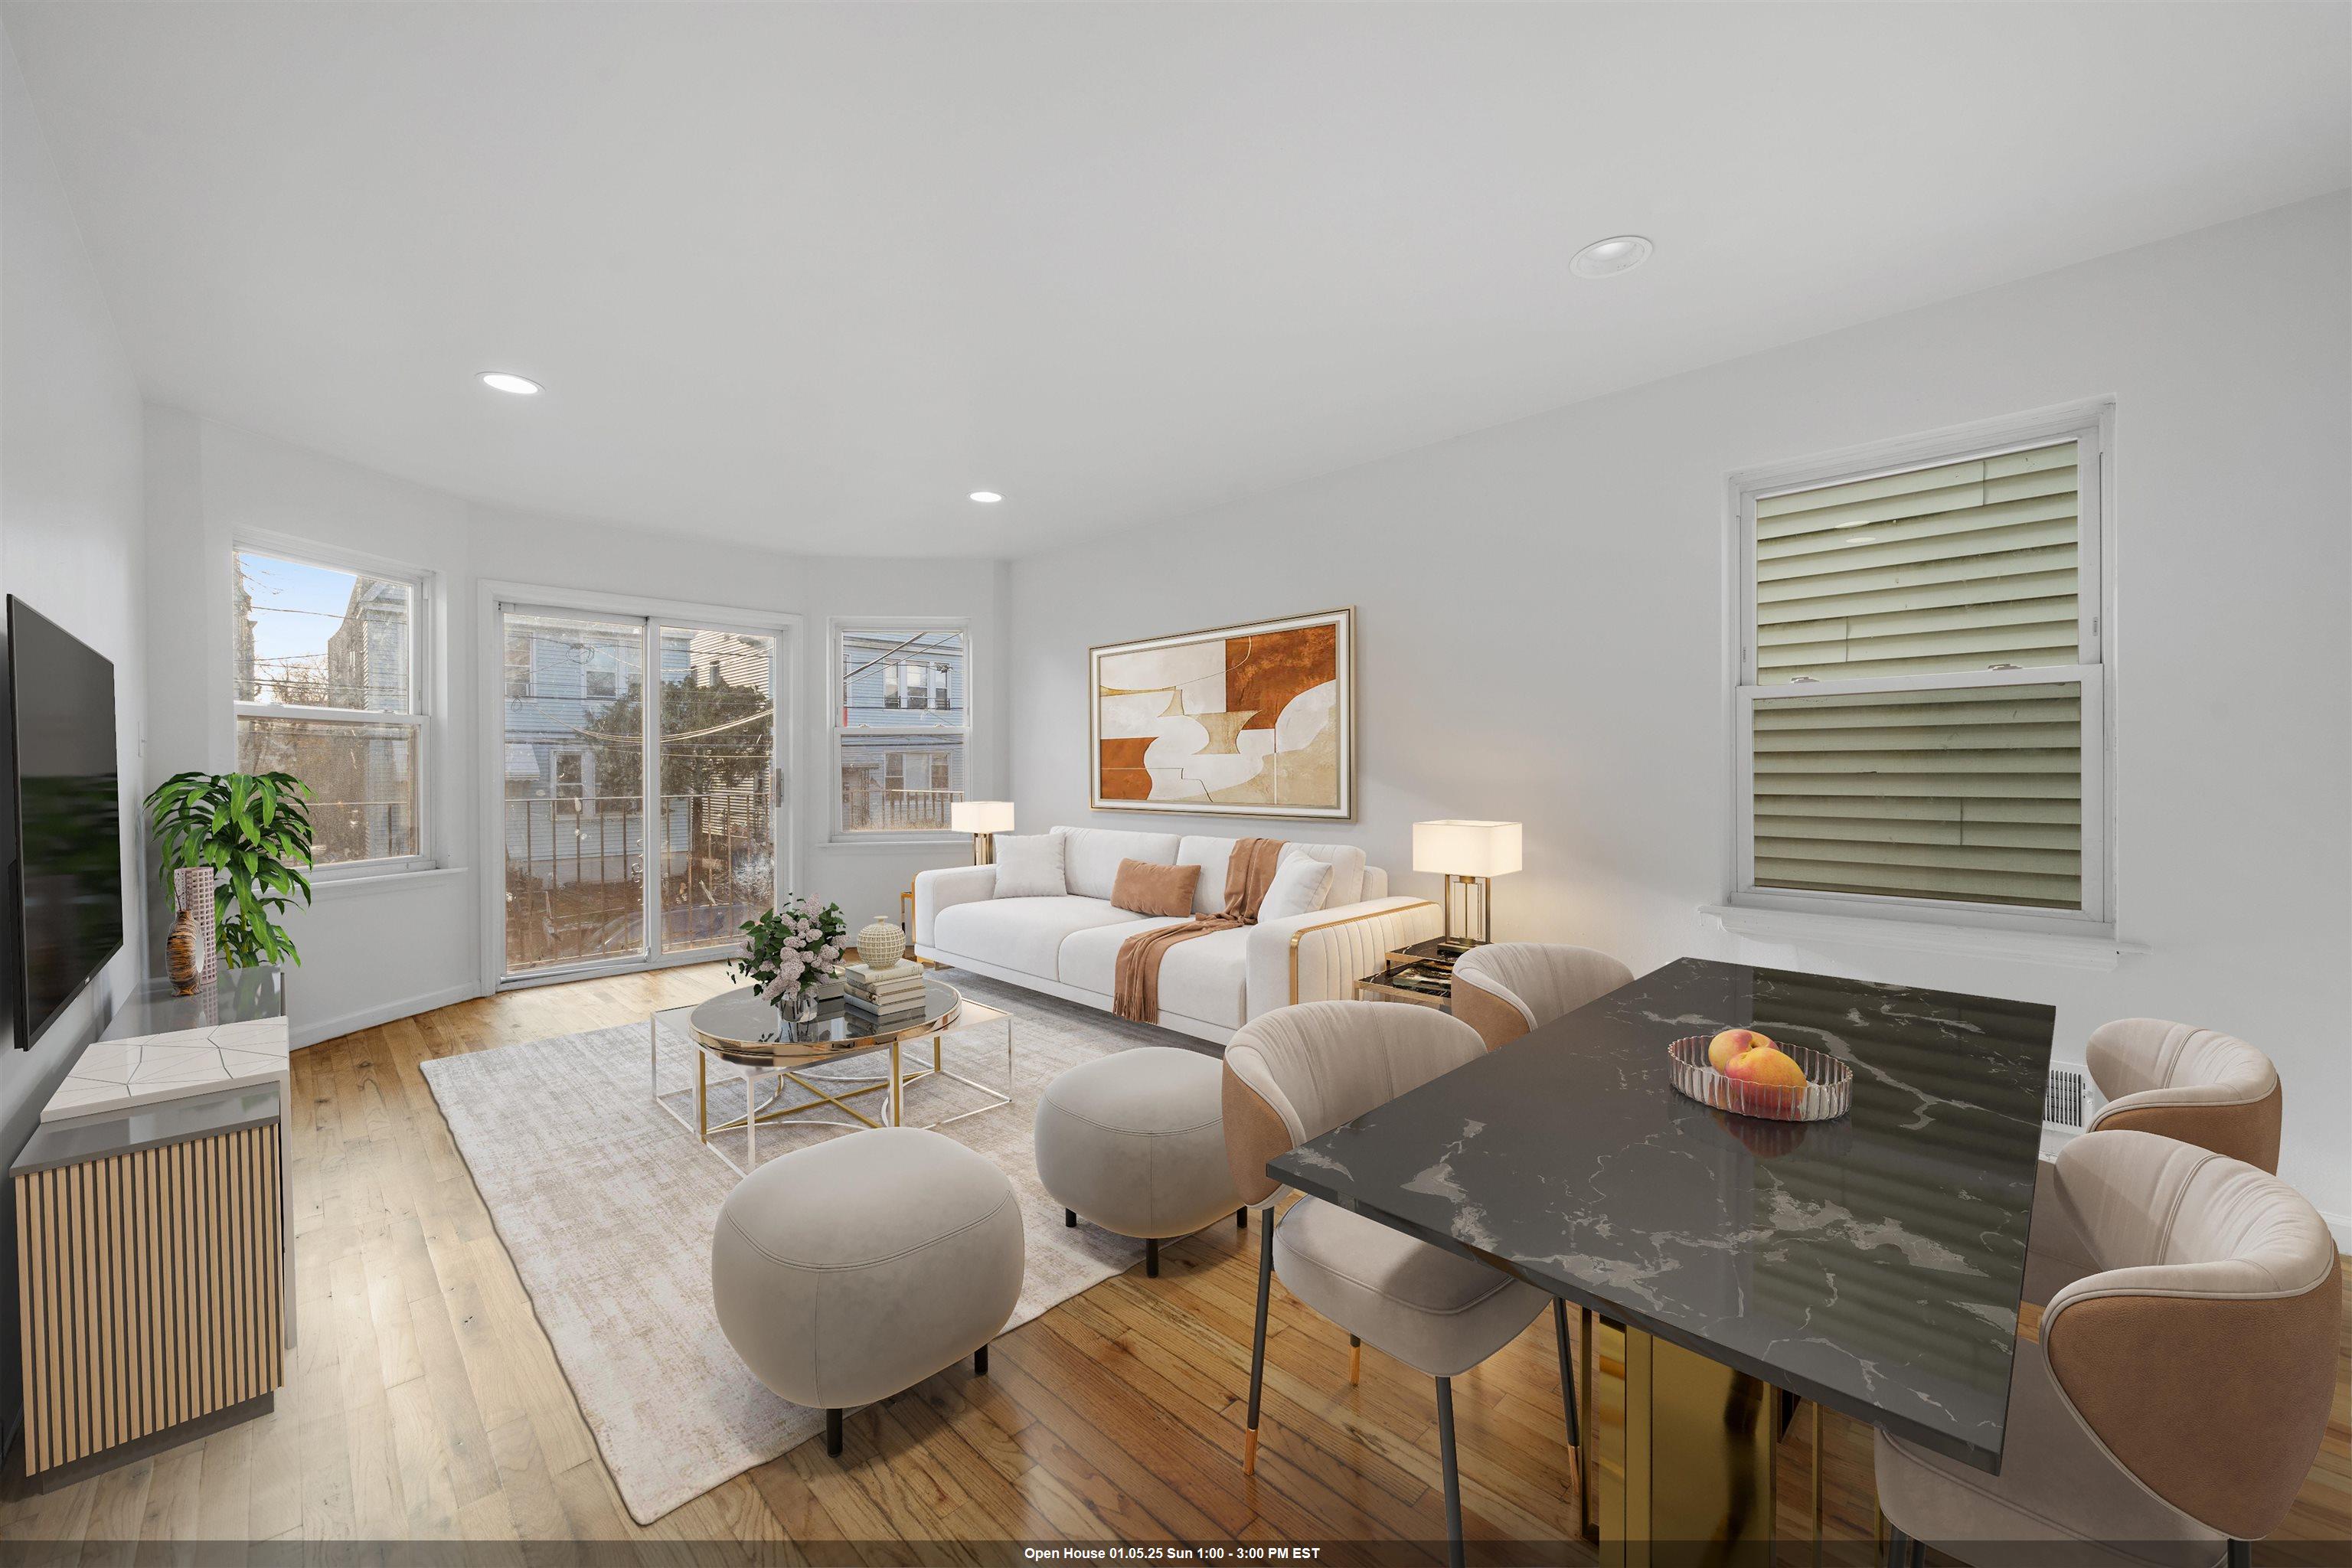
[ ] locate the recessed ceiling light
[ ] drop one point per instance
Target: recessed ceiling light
(499, 380)
(986, 497)
(1608, 257)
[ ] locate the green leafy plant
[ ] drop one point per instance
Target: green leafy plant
(252, 832)
(791, 951)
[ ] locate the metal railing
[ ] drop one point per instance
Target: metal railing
(866, 808)
(575, 874)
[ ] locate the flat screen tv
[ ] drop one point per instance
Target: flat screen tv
(66, 861)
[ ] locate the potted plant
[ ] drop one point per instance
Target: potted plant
(248, 834)
(789, 951)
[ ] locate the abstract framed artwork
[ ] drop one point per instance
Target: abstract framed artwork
(1249, 720)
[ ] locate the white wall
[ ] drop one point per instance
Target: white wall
(1543, 633)
(383, 948)
(69, 528)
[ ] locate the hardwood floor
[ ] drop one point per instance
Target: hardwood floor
(424, 1403)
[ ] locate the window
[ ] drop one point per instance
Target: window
(901, 726)
(1921, 693)
(328, 690)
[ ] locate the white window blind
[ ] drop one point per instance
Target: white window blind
(1921, 695)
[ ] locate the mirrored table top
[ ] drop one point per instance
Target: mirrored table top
(743, 1028)
(1874, 1263)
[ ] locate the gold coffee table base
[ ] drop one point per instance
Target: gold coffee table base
(1679, 1454)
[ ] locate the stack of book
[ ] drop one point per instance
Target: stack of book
(885, 996)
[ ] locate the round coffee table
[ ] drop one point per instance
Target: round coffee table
(741, 1031)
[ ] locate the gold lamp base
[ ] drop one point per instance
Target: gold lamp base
(1478, 900)
(983, 848)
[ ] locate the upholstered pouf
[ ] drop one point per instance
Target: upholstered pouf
(1135, 1141)
(849, 1271)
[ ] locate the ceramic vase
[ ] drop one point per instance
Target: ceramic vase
(181, 953)
(194, 891)
(881, 944)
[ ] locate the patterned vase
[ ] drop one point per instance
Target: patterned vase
(194, 891)
(881, 944)
(181, 953)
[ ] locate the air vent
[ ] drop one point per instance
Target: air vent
(2068, 1101)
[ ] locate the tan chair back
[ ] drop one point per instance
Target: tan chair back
(2204, 1354)
(1296, 1073)
(2192, 1084)
(1505, 988)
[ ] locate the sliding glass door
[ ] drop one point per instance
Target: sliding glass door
(635, 831)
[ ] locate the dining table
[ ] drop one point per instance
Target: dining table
(1730, 1267)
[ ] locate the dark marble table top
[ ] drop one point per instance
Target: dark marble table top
(1874, 1263)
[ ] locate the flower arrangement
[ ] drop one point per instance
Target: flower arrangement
(787, 952)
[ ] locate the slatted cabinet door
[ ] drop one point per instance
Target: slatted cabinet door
(150, 1288)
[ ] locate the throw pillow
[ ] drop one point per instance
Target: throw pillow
(1298, 889)
(1149, 889)
(1030, 866)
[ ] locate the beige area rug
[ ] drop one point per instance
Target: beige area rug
(606, 1205)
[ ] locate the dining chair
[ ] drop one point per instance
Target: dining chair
(2179, 1395)
(2192, 1084)
(1295, 1074)
(1505, 988)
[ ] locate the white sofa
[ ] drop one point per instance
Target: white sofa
(1209, 986)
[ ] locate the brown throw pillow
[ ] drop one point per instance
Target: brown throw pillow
(1150, 889)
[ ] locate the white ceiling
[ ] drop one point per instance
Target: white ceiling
(790, 273)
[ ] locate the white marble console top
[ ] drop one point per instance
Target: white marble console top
(121, 1075)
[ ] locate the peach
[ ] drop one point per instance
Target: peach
(1730, 1042)
(1770, 1075)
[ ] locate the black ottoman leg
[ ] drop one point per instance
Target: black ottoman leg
(1151, 1260)
(980, 1362)
(833, 1433)
(1070, 1218)
(1241, 1219)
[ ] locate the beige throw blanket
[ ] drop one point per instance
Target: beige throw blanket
(1135, 989)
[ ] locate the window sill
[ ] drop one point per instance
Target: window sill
(902, 841)
(384, 881)
(2063, 950)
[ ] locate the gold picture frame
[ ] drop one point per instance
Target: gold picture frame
(1251, 720)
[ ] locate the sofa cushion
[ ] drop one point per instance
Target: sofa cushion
(1032, 865)
(1020, 934)
(1213, 855)
(1347, 864)
(1150, 889)
(1095, 853)
(1298, 889)
(1204, 978)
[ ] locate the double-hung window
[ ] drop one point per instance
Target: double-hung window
(329, 689)
(901, 725)
(1921, 694)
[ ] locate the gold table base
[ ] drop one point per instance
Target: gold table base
(1678, 1454)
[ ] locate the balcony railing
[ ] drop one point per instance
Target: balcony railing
(867, 809)
(575, 874)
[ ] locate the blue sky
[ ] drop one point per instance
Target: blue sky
(296, 608)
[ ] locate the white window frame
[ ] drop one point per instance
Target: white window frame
(840, 628)
(422, 616)
(2090, 424)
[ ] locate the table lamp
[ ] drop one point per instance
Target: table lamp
(1468, 855)
(983, 819)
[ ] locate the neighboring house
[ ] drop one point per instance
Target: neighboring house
(914, 684)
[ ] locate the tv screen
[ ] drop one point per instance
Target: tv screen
(69, 848)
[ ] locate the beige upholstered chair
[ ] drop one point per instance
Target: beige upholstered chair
(1295, 1074)
(2179, 1394)
(2192, 1084)
(1506, 988)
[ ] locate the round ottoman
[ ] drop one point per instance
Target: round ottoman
(1136, 1142)
(849, 1271)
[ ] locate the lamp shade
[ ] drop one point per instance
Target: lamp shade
(980, 817)
(1466, 849)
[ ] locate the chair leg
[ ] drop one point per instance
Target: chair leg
(1354, 1358)
(1151, 1257)
(1567, 1372)
(1452, 1476)
(2242, 1554)
(1902, 1550)
(980, 1362)
(1258, 1344)
(833, 1433)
